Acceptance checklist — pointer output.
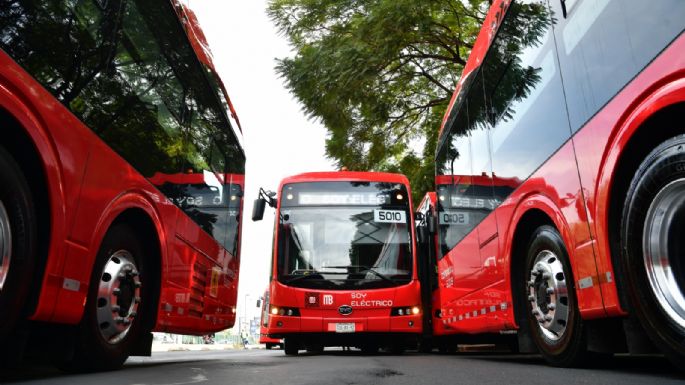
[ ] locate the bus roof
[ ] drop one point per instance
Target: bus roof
(487, 33)
(353, 176)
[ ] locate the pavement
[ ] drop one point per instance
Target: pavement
(337, 367)
(158, 347)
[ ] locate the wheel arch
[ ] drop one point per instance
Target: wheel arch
(649, 124)
(135, 210)
(525, 222)
(28, 142)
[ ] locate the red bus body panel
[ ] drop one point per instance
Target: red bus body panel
(265, 339)
(367, 318)
(263, 332)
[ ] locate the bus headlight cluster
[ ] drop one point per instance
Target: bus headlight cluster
(285, 311)
(405, 310)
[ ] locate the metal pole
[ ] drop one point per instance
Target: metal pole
(247, 332)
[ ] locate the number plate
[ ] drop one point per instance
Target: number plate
(454, 218)
(389, 216)
(344, 328)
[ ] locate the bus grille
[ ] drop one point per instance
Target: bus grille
(197, 290)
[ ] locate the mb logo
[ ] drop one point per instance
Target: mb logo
(327, 299)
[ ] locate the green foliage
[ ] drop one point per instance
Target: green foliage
(379, 75)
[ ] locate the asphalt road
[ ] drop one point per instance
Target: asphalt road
(351, 367)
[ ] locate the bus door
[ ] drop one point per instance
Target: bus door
(426, 260)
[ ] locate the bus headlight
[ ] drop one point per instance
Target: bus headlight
(415, 310)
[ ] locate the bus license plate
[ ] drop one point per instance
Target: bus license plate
(344, 328)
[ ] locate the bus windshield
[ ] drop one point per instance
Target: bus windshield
(349, 236)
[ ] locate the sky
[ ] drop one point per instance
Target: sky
(279, 139)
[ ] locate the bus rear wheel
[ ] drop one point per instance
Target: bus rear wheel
(315, 348)
(18, 230)
(653, 247)
(369, 348)
(290, 346)
(112, 322)
(551, 309)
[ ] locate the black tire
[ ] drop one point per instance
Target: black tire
(290, 346)
(398, 348)
(660, 172)
(369, 348)
(315, 349)
(93, 351)
(561, 340)
(426, 345)
(18, 222)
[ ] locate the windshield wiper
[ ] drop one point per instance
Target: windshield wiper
(311, 274)
(364, 269)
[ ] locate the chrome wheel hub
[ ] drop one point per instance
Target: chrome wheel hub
(5, 245)
(548, 295)
(663, 245)
(118, 296)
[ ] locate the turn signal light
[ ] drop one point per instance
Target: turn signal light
(286, 311)
(405, 310)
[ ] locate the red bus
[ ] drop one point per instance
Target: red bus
(121, 171)
(437, 333)
(269, 342)
(579, 102)
(344, 266)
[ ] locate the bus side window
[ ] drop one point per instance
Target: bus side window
(524, 94)
(603, 44)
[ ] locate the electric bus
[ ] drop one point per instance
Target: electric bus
(579, 104)
(344, 267)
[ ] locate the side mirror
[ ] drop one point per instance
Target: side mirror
(258, 209)
(259, 303)
(422, 234)
(430, 222)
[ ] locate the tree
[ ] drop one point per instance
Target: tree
(379, 74)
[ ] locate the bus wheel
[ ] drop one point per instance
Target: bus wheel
(369, 348)
(653, 246)
(17, 242)
(315, 349)
(398, 348)
(426, 345)
(552, 313)
(290, 346)
(112, 323)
